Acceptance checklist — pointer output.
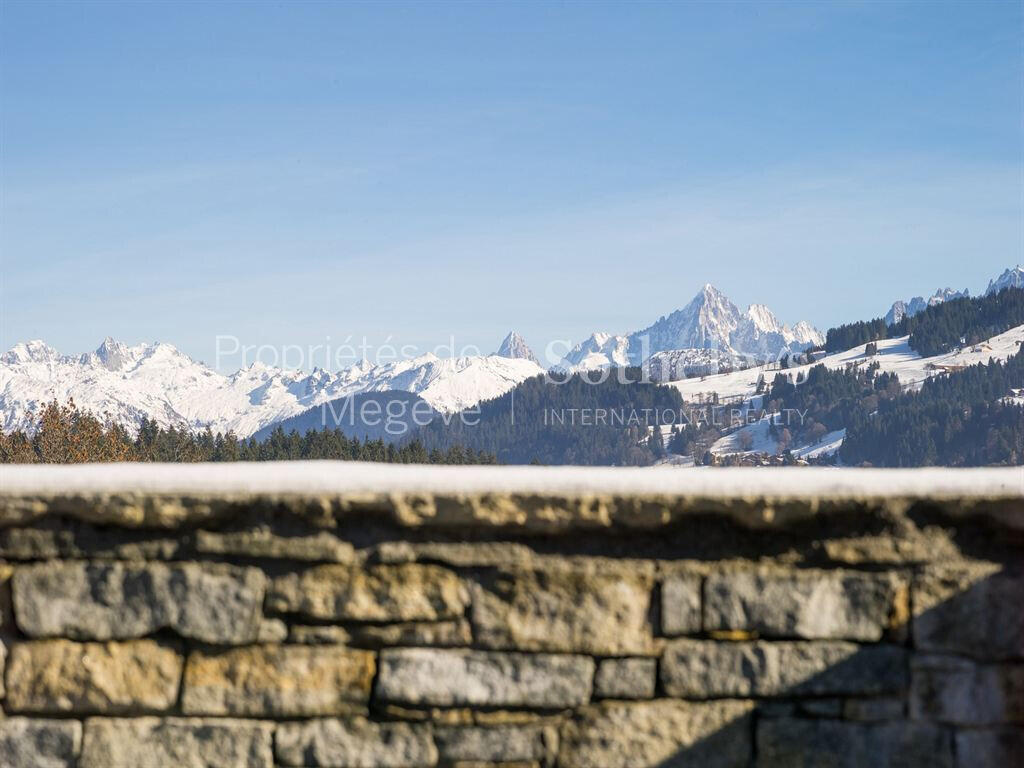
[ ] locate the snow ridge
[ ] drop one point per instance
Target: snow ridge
(122, 384)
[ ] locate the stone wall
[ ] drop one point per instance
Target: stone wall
(353, 629)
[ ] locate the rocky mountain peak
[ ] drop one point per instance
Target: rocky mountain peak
(1011, 278)
(515, 347)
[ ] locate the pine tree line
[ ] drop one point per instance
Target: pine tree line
(66, 435)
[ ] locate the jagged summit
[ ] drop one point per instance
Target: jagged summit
(710, 321)
(112, 355)
(705, 323)
(1011, 278)
(901, 309)
(515, 347)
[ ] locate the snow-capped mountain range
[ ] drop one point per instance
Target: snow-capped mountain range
(125, 383)
(709, 322)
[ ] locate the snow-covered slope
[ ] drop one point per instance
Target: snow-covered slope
(1011, 278)
(894, 356)
(448, 384)
(709, 322)
(515, 347)
(600, 350)
(123, 384)
(760, 440)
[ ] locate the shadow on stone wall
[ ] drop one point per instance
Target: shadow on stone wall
(945, 688)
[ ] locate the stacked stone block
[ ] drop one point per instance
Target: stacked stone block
(253, 635)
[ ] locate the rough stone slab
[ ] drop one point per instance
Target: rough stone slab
(436, 633)
(456, 677)
(497, 744)
(27, 742)
(264, 541)
(625, 679)
(989, 747)
(680, 605)
(55, 676)
(808, 604)
(571, 612)
(955, 690)
(58, 537)
(354, 743)
(883, 709)
(403, 592)
(500, 554)
(278, 681)
(704, 668)
(904, 545)
(111, 601)
(972, 610)
(272, 631)
(318, 634)
(152, 742)
(662, 733)
(791, 743)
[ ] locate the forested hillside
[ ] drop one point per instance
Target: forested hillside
(939, 328)
(573, 422)
(958, 419)
(826, 401)
(963, 418)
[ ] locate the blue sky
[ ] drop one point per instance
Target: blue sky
(290, 173)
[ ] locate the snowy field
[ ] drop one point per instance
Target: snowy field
(761, 441)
